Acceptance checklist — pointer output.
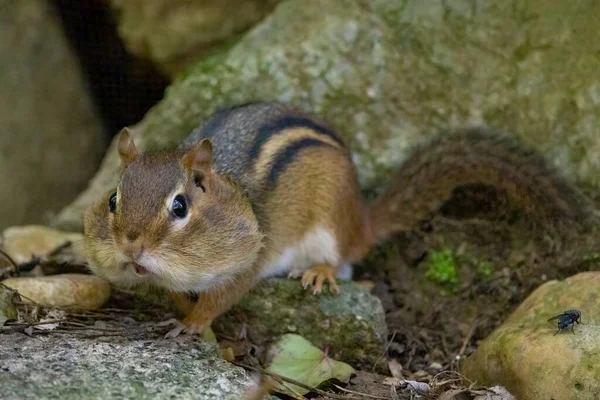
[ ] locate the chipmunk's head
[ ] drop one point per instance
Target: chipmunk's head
(171, 222)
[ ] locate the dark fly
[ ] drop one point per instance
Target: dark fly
(567, 319)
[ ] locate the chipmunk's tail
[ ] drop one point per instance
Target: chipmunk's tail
(478, 156)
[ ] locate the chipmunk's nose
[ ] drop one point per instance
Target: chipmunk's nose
(133, 246)
(133, 250)
(132, 235)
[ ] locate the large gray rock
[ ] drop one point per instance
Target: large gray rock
(67, 367)
(390, 74)
(174, 33)
(51, 140)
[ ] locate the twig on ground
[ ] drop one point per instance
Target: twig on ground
(370, 396)
(31, 302)
(27, 324)
(59, 248)
(411, 354)
(13, 265)
(81, 333)
(465, 342)
(9, 327)
(294, 382)
(384, 351)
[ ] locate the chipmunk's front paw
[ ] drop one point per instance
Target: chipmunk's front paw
(186, 327)
(317, 275)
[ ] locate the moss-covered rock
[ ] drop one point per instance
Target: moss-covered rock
(390, 74)
(350, 325)
(525, 356)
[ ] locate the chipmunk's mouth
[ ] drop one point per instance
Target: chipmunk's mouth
(138, 269)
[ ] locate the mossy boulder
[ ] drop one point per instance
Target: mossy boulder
(389, 74)
(350, 325)
(525, 356)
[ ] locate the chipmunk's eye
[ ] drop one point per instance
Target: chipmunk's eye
(112, 202)
(179, 207)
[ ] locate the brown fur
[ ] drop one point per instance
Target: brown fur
(280, 192)
(478, 156)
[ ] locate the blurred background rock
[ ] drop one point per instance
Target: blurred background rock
(388, 74)
(67, 84)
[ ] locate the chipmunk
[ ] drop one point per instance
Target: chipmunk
(264, 189)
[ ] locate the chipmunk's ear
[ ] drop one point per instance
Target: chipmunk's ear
(198, 160)
(126, 147)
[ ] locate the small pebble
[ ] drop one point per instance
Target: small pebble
(436, 366)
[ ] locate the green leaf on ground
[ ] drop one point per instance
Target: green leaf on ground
(7, 308)
(296, 358)
(209, 335)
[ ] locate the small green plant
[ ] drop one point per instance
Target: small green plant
(442, 267)
(591, 261)
(484, 269)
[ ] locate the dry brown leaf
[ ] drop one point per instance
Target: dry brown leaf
(453, 393)
(261, 390)
(493, 393)
(395, 368)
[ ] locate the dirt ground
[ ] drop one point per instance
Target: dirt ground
(489, 257)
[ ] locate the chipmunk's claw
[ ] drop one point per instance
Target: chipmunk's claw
(173, 333)
(170, 321)
(181, 327)
(194, 328)
(295, 273)
(316, 276)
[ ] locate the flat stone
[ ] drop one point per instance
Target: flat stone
(67, 367)
(63, 290)
(25, 242)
